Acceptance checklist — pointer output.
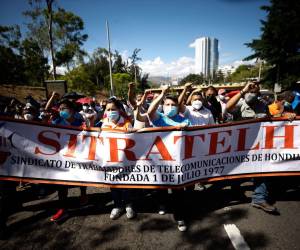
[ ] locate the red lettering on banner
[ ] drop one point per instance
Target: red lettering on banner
(188, 144)
(242, 141)
(93, 145)
(71, 146)
(162, 150)
(214, 141)
(288, 136)
(47, 141)
(114, 149)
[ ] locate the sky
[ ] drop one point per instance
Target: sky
(162, 29)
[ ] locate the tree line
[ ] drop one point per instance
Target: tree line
(55, 38)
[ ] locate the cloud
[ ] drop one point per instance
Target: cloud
(178, 68)
(124, 55)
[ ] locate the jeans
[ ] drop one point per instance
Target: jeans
(261, 190)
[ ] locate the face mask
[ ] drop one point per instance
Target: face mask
(28, 117)
(222, 97)
(287, 104)
(98, 108)
(160, 108)
(65, 114)
(197, 104)
(43, 115)
(85, 108)
(113, 115)
(211, 98)
(170, 111)
(250, 98)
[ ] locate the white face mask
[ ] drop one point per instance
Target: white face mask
(197, 104)
(85, 108)
(222, 97)
(28, 117)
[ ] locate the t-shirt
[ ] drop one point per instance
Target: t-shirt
(121, 124)
(244, 111)
(78, 121)
(198, 117)
(165, 121)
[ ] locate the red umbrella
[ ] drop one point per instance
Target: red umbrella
(85, 100)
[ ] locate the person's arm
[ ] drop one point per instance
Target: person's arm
(139, 116)
(51, 100)
(182, 97)
(188, 101)
(230, 105)
(154, 105)
(131, 94)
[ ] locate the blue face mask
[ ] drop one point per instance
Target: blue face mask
(113, 115)
(65, 114)
(170, 111)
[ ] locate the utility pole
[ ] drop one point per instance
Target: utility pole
(109, 60)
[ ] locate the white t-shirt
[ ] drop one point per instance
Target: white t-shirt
(199, 117)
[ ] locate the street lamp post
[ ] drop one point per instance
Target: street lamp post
(109, 60)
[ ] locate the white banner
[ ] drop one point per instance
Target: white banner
(153, 158)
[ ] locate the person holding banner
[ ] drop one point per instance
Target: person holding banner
(170, 117)
(115, 118)
(247, 104)
(67, 117)
(196, 113)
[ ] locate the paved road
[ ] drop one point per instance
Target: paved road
(209, 210)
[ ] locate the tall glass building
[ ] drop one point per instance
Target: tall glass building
(206, 56)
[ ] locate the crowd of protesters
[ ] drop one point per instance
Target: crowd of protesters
(191, 107)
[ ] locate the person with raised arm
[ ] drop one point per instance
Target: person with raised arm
(169, 117)
(196, 113)
(246, 105)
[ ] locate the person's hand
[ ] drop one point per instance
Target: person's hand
(249, 86)
(188, 85)
(165, 88)
(131, 85)
(55, 95)
(147, 91)
(197, 90)
(290, 116)
(183, 126)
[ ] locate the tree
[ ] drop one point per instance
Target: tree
(58, 32)
(120, 82)
(134, 69)
(36, 68)
(279, 42)
(11, 62)
(78, 80)
(194, 78)
(220, 77)
(98, 68)
(118, 65)
(21, 62)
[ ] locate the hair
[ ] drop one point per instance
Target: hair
(171, 97)
(212, 88)
(117, 103)
(198, 93)
(68, 103)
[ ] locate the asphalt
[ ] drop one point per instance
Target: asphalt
(208, 210)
